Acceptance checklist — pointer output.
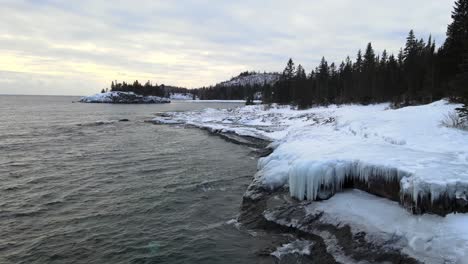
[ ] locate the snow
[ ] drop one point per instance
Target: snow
(122, 97)
(181, 96)
(252, 79)
(221, 101)
(429, 238)
(321, 146)
(300, 247)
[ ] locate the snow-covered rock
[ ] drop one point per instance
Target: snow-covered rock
(322, 148)
(319, 151)
(361, 228)
(429, 238)
(181, 96)
(252, 79)
(123, 98)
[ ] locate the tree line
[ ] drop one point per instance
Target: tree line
(146, 89)
(232, 92)
(419, 73)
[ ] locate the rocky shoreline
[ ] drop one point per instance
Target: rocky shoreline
(275, 211)
(123, 98)
(405, 224)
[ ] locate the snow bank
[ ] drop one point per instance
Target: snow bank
(321, 148)
(429, 238)
(373, 141)
(123, 98)
(254, 120)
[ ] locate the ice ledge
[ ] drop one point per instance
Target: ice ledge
(320, 180)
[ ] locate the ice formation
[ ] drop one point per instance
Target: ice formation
(306, 178)
(429, 238)
(321, 147)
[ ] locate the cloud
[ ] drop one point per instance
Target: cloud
(78, 47)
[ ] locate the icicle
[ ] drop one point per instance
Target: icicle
(307, 178)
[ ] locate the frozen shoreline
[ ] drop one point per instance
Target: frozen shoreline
(404, 155)
(319, 150)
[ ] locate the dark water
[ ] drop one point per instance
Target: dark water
(75, 190)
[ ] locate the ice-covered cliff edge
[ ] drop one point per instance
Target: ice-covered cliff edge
(321, 150)
(405, 155)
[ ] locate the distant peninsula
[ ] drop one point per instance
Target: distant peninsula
(123, 98)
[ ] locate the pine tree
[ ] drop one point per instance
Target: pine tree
(358, 64)
(450, 55)
(461, 83)
(289, 71)
(453, 55)
(457, 32)
(410, 54)
(369, 69)
(300, 92)
(286, 83)
(411, 46)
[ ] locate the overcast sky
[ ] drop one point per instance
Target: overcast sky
(78, 47)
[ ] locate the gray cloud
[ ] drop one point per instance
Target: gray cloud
(77, 47)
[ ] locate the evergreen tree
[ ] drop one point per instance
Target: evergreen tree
(455, 43)
(369, 71)
(410, 55)
(289, 71)
(461, 84)
(284, 91)
(300, 83)
(453, 55)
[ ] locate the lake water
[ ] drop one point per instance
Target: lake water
(77, 186)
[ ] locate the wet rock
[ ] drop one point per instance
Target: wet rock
(391, 189)
(442, 206)
(276, 211)
(124, 120)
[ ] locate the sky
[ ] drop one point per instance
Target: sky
(65, 47)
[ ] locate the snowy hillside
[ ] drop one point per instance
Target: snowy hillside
(252, 79)
(123, 98)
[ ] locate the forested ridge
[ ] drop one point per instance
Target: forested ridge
(419, 73)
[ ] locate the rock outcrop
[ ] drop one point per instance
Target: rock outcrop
(123, 98)
(277, 211)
